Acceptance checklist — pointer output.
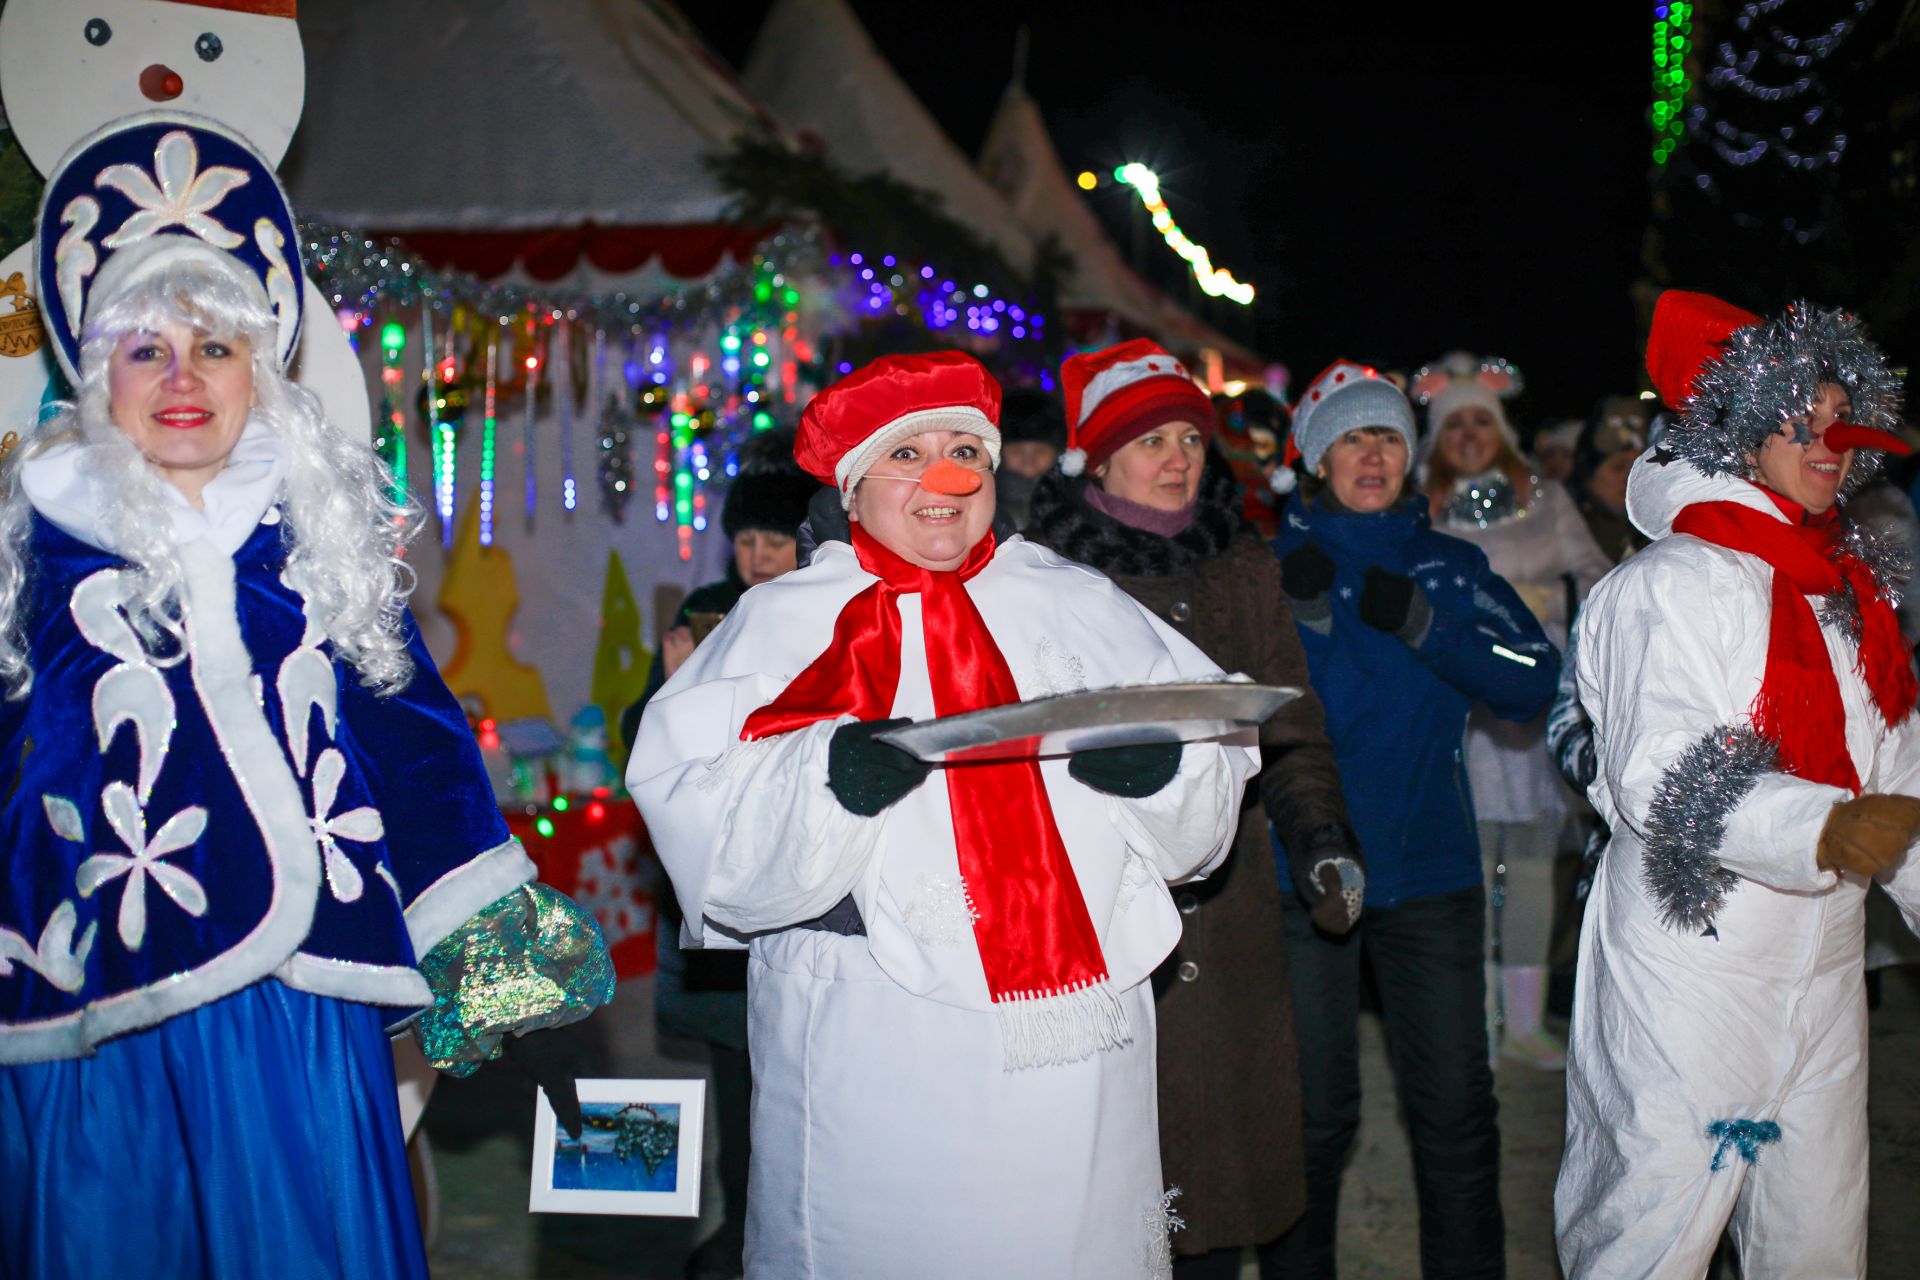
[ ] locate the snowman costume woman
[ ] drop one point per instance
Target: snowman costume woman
(951, 1027)
(1751, 703)
(241, 812)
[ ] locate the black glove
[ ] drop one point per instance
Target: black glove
(1131, 772)
(552, 1060)
(1306, 572)
(1385, 599)
(1395, 605)
(866, 776)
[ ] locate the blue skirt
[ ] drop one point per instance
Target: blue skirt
(257, 1136)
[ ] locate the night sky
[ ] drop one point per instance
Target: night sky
(1392, 191)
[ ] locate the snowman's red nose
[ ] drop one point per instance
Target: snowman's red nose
(161, 83)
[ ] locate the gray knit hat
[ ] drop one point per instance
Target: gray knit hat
(1346, 397)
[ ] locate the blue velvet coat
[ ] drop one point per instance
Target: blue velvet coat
(179, 821)
(1398, 716)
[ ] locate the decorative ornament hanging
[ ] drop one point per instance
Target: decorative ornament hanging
(390, 431)
(489, 429)
(534, 359)
(618, 428)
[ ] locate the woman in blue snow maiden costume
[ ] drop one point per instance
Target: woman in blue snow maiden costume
(244, 831)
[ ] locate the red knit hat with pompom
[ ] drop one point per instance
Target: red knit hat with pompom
(1119, 394)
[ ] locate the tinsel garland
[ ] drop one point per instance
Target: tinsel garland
(1886, 559)
(1687, 822)
(1771, 372)
(1487, 500)
(356, 270)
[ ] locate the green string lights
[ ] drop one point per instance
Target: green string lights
(1214, 283)
(1672, 40)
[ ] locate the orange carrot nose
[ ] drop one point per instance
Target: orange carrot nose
(949, 477)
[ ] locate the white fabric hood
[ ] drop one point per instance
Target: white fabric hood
(1657, 493)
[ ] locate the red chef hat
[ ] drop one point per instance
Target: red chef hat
(1689, 331)
(850, 425)
(1117, 395)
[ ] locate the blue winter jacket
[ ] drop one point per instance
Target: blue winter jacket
(1398, 716)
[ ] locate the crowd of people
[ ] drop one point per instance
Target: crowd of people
(1632, 702)
(1439, 811)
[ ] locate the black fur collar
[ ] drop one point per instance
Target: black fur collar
(1064, 520)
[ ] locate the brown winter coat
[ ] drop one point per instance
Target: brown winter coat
(1230, 1112)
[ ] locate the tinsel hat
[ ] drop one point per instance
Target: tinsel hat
(850, 425)
(148, 192)
(1116, 395)
(1736, 378)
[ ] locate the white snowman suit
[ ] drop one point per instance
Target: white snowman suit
(1761, 1020)
(888, 1138)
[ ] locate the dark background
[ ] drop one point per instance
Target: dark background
(1473, 176)
(1392, 191)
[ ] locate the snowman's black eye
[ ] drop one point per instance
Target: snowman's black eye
(98, 32)
(208, 46)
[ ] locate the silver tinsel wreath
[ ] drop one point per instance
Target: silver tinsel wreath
(1770, 372)
(1687, 822)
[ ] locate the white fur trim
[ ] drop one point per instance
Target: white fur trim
(400, 986)
(858, 460)
(458, 896)
(1283, 480)
(1126, 373)
(1073, 462)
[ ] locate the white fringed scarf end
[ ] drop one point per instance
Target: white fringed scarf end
(1044, 1030)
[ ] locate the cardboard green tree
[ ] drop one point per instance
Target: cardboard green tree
(622, 662)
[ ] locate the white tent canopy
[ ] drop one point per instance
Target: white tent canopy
(816, 68)
(501, 114)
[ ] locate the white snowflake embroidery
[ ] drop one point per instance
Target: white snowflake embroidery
(129, 822)
(75, 257)
(1433, 584)
(1161, 1222)
(64, 816)
(55, 958)
(181, 198)
(1459, 579)
(942, 914)
(1058, 672)
(362, 826)
(1136, 873)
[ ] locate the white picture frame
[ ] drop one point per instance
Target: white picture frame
(618, 1166)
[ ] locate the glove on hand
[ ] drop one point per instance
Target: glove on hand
(1306, 572)
(552, 1060)
(1131, 772)
(866, 776)
(1867, 834)
(1335, 912)
(1385, 599)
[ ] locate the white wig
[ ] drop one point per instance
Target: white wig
(343, 531)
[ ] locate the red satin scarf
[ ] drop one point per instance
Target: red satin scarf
(1799, 708)
(1031, 924)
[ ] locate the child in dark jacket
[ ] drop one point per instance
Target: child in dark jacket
(1405, 629)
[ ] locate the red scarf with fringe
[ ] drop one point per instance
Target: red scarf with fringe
(1037, 942)
(1798, 708)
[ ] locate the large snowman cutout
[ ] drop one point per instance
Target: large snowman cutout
(69, 66)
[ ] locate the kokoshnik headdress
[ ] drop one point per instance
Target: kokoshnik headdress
(148, 192)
